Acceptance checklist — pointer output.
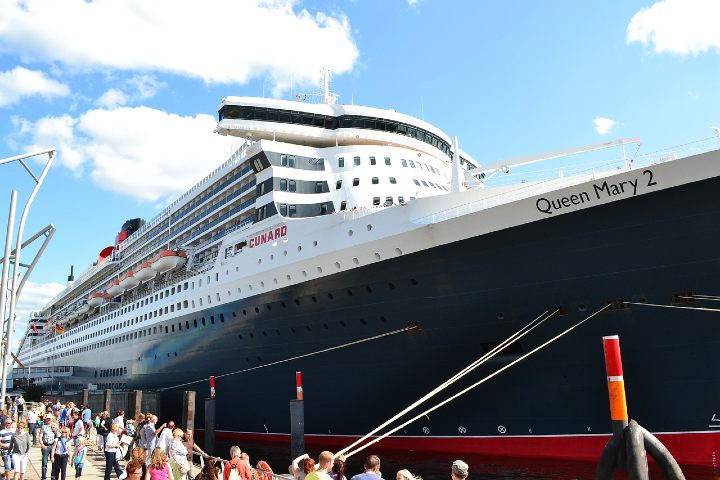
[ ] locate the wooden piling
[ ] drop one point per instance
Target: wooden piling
(106, 400)
(86, 397)
(188, 420)
(137, 403)
(297, 420)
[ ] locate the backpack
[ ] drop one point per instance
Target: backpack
(96, 422)
(234, 475)
(48, 436)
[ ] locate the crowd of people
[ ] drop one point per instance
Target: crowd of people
(65, 432)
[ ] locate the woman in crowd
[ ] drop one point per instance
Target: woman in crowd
(112, 442)
(159, 468)
(60, 453)
(178, 455)
(78, 456)
(20, 446)
(135, 468)
(338, 470)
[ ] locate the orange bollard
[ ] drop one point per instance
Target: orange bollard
(616, 384)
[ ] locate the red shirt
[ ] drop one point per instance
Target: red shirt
(242, 468)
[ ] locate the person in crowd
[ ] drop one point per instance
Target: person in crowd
(159, 468)
(48, 433)
(178, 454)
(87, 417)
(120, 418)
(372, 469)
(148, 438)
(32, 421)
(165, 436)
(78, 429)
(135, 468)
(78, 455)
(20, 404)
(112, 442)
(459, 470)
(3, 417)
(5, 436)
(105, 428)
(209, 470)
(404, 474)
(236, 463)
(20, 448)
(301, 466)
(325, 464)
(195, 447)
(263, 471)
(59, 455)
(338, 470)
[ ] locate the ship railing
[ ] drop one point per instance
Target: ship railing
(536, 188)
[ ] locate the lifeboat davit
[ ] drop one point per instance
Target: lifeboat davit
(145, 272)
(115, 289)
(98, 298)
(169, 260)
(128, 281)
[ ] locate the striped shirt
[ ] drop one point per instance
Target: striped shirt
(5, 435)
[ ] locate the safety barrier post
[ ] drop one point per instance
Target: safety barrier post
(297, 419)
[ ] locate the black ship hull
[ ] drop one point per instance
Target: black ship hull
(465, 297)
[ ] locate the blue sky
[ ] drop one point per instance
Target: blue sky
(128, 91)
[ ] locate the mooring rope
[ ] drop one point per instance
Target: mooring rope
(711, 298)
(324, 350)
(475, 364)
(480, 382)
(657, 305)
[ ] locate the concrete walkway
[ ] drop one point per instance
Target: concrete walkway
(93, 469)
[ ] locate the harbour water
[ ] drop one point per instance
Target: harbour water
(437, 466)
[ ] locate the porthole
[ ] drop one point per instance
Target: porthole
(349, 292)
(257, 310)
(264, 333)
(268, 307)
(319, 269)
(398, 251)
(288, 277)
(337, 264)
(259, 261)
(315, 243)
(247, 359)
(369, 227)
(362, 320)
(299, 248)
(252, 335)
(285, 252)
(383, 319)
(325, 326)
(244, 312)
(240, 336)
(297, 301)
(234, 314)
(582, 307)
(277, 332)
(275, 281)
(262, 284)
(314, 299)
(283, 304)
(292, 329)
(413, 281)
(377, 255)
(307, 327)
(330, 296)
(272, 257)
(249, 287)
(500, 316)
(356, 261)
(350, 233)
(304, 273)
(342, 323)
(391, 285)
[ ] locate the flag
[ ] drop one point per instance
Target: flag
(35, 329)
(59, 329)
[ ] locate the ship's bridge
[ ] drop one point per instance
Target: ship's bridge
(324, 125)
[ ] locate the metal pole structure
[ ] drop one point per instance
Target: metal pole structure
(16, 270)
(5, 268)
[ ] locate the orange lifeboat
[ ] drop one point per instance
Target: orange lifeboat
(128, 281)
(98, 298)
(169, 260)
(145, 272)
(115, 289)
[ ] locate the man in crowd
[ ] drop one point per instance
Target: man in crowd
(325, 464)
(87, 417)
(148, 439)
(459, 470)
(372, 469)
(5, 435)
(48, 433)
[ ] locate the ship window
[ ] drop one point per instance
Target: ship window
(403, 162)
(401, 200)
(376, 200)
(343, 205)
(292, 186)
(412, 164)
(372, 161)
(356, 161)
(338, 185)
(416, 182)
(356, 182)
(341, 162)
(283, 209)
(375, 180)
(388, 201)
(424, 183)
(283, 160)
(323, 209)
(319, 187)
(392, 180)
(283, 184)
(292, 210)
(291, 161)
(166, 329)
(218, 296)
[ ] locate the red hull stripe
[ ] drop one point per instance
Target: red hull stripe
(691, 448)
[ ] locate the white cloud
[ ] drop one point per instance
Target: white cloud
(603, 126)
(677, 26)
(112, 98)
(33, 297)
(145, 86)
(138, 152)
(223, 41)
(21, 82)
(413, 3)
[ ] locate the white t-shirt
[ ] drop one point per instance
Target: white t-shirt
(112, 439)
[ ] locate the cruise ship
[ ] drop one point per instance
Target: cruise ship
(364, 248)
